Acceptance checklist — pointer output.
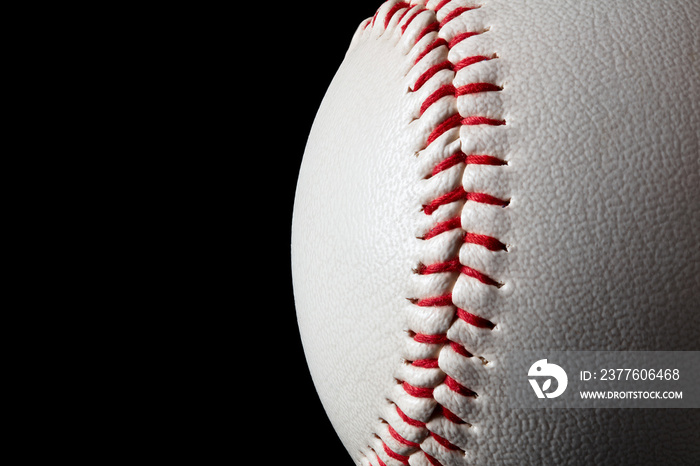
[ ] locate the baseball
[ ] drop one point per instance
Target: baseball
(489, 180)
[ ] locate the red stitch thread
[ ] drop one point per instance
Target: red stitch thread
(482, 277)
(453, 14)
(474, 88)
(400, 439)
(411, 18)
(444, 442)
(431, 339)
(432, 460)
(408, 420)
(484, 160)
(439, 6)
(487, 199)
(460, 37)
(393, 11)
(430, 72)
(461, 157)
(451, 161)
(474, 320)
(453, 265)
(381, 463)
(458, 388)
(449, 123)
(374, 18)
(453, 196)
(444, 300)
(426, 363)
(439, 42)
(469, 60)
(434, 26)
(444, 91)
(478, 120)
(410, 13)
(400, 458)
(459, 194)
(489, 242)
(450, 416)
(442, 227)
(418, 392)
(459, 349)
(456, 120)
(442, 267)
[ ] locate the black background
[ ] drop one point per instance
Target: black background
(313, 44)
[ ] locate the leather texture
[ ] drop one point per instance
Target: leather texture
(600, 115)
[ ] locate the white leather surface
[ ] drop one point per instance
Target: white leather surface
(602, 111)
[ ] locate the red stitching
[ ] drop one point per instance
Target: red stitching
(484, 160)
(474, 88)
(418, 392)
(407, 13)
(454, 13)
(482, 277)
(430, 72)
(460, 37)
(451, 161)
(489, 242)
(459, 194)
(457, 120)
(444, 300)
(374, 18)
(443, 91)
(393, 11)
(453, 265)
(459, 349)
(448, 90)
(444, 442)
(400, 458)
(459, 388)
(381, 463)
(434, 26)
(431, 339)
(408, 420)
(439, 6)
(463, 63)
(439, 42)
(400, 439)
(446, 64)
(474, 320)
(487, 199)
(449, 123)
(450, 416)
(442, 227)
(432, 460)
(431, 363)
(411, 18)
(479, 120)
(457, 158)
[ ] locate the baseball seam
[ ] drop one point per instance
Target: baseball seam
(413, 427)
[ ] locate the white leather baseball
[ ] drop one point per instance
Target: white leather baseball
(490, 176)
